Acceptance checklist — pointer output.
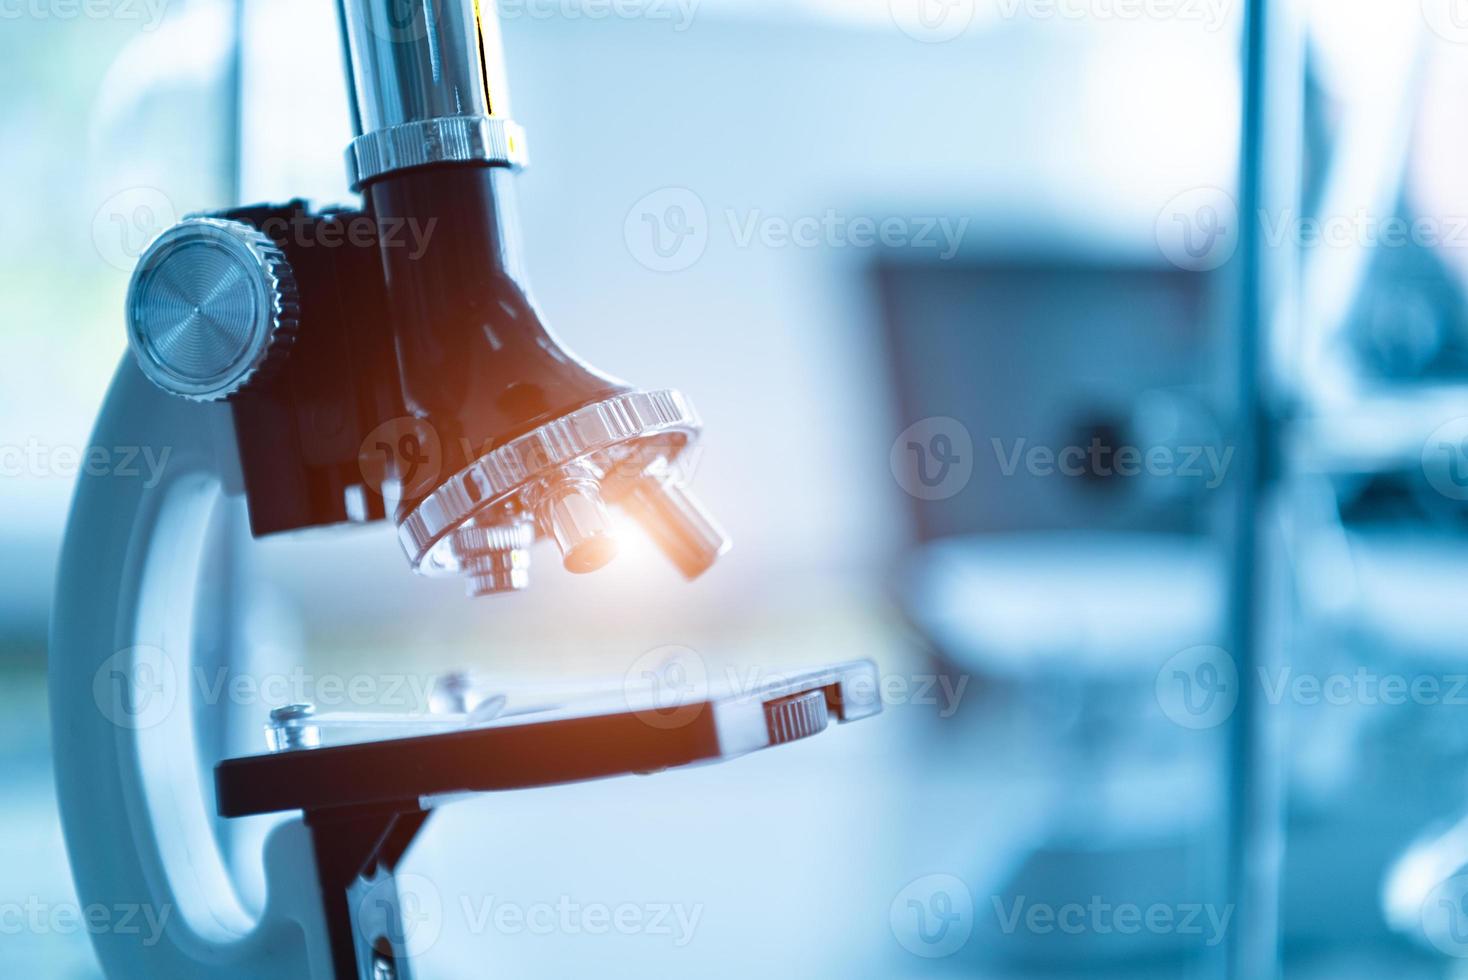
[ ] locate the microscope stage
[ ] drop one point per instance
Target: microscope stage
(592, 740)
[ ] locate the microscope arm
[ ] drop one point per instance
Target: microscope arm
(133, 791)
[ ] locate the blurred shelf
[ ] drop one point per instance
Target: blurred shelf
(1387, 430)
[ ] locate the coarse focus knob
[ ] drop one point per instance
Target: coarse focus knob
(212, 306)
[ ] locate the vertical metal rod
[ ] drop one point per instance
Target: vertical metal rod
(235, 84)
(416, 60)
(1273, 93)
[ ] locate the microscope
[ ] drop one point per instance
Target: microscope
(363, 382)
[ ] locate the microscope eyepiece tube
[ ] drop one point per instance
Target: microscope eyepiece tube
(416, 60)
(427, 85)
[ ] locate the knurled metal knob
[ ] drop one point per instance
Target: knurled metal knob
(212, 306)
(800, 716)
(495, 558)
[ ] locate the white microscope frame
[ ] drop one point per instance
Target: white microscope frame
(131, 784)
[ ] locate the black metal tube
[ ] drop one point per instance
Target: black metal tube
(474, 358)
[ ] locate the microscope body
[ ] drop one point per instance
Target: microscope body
(325, 367)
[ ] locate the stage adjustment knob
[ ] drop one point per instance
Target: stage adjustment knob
(212, 307)
(793, 718)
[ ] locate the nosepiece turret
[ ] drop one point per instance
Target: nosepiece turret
(562, 479)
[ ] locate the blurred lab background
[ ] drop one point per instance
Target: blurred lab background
(964, 301)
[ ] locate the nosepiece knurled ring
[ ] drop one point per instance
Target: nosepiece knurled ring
(624, 420)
